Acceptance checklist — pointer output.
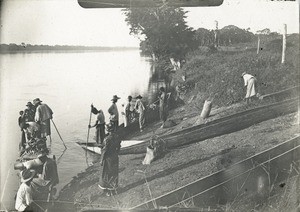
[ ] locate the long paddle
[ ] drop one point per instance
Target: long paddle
(59, 134)
(88, 134)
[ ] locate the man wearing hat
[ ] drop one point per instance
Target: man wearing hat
(114, 114)
(250, 84)
(43, 115)
(24, 195)
(140, 108)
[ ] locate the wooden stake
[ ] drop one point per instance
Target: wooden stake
(258, 44)
(283, 43)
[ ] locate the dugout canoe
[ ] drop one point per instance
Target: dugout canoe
(94, 148)
(252, 178)
(225, 125)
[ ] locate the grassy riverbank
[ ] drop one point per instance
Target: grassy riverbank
(217, 74)
(214, 75)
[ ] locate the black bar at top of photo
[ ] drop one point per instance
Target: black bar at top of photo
(147, 3)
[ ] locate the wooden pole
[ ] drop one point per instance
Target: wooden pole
(59, 134)
(283, 43)
(87, 139)
(216, 34)
(258, 44)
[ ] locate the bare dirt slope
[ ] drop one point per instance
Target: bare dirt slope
(179, 166)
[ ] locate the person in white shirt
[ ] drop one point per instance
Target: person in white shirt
(250, 84)
(141, 110)
(24, 195)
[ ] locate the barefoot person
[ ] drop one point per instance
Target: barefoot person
(250, 84)
(110, 162)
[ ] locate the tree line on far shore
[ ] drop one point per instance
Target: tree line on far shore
(23, 47)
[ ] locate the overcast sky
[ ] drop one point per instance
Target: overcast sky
(64, 22)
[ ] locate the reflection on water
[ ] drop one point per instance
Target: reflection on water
(68, 83)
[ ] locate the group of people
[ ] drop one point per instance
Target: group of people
(111, 143)
(130, 111)
(34, 123)
(38, 175)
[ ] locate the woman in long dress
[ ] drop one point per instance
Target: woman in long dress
(110, 162)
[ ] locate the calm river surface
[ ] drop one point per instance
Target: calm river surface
(68, 83)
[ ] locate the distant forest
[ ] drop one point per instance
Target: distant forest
(12, 47)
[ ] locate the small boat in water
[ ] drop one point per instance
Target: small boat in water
(94, 147)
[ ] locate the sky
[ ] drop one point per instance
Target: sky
(64, 22)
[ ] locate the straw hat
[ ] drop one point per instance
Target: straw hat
(37, 100)
(27, 175)
(139, 97)
(115, 97)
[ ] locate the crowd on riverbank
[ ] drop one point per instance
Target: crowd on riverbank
(131, 112)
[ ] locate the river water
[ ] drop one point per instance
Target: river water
(68, 82)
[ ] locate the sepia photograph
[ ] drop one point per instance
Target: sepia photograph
(149, 105)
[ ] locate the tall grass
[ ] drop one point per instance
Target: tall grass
(218, 74)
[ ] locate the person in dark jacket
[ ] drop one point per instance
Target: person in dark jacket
(43, 115)
(110, 162)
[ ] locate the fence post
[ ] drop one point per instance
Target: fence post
(258, 44)
(283, 43)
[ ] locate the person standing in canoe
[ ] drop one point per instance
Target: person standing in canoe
(140, 108)
(21, 122)
(100, 127)
(30, 111)
(110, 162)
(42, 116)
(250, 84)
(163, 105)
(114, 113)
